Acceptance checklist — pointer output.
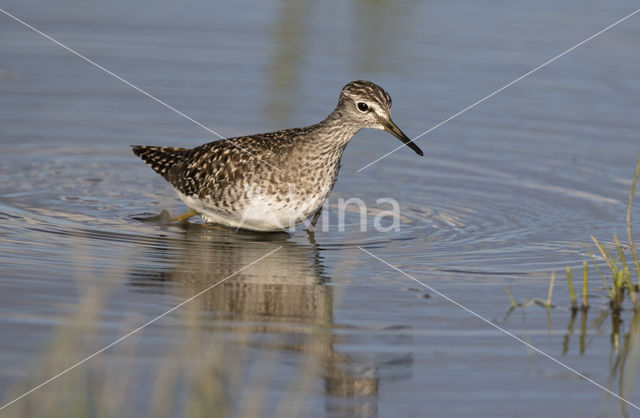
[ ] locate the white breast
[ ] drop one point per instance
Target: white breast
(261, 212)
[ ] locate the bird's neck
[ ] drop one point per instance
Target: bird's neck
(336, 130)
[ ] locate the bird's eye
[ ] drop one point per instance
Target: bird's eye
(362, 106)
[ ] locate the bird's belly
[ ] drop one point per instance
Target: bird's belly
(259, 213)
(268, 213)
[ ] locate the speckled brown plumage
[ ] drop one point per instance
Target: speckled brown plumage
(273, 180)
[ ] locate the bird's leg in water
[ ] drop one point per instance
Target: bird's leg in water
(185, 216)
(314, 220)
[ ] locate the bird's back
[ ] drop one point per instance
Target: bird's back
(215, 166)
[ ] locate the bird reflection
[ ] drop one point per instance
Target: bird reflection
(282, 302)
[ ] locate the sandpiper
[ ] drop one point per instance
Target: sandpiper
(275, 180)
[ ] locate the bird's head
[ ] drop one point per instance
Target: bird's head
(367, 105)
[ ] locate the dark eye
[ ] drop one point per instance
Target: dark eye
(362, 106)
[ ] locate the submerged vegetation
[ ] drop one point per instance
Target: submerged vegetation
(621, 284)
(618, 282)
(620, 289)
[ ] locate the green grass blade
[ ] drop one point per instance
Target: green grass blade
(585, 285)
(605, 254)
(633, 249)
(620, 251)
(626, 276)
(595, 264)
(511, 299)
(550, 292)
(572, 293)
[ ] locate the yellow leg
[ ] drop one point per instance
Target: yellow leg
(185, 216)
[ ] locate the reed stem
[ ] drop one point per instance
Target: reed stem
(585, 285)
(605, 254)
(572, 293)
(633, 250)
(550, 292)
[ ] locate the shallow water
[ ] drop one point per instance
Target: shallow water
(506, 193)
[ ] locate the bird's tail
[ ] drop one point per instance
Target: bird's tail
(161, 159)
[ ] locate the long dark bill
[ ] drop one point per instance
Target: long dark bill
(393, 129)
